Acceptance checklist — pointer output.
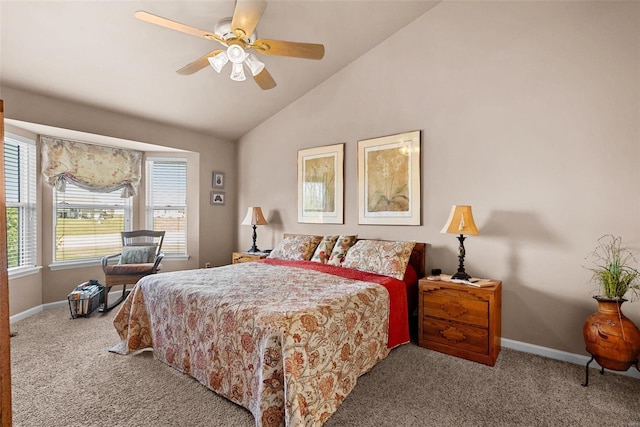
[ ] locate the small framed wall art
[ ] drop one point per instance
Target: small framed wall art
(321, 185)
(389, 180)
(218, 179)
(217, 198)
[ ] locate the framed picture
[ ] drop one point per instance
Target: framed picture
(389, 180)
(218, 179)
(321, 185)
(217, 198)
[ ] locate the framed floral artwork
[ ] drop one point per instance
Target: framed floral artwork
(321, 185)
(389, 180)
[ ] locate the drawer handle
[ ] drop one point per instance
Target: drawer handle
(454, 309)
(453, 334)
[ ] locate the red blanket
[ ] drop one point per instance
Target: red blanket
(398, 311)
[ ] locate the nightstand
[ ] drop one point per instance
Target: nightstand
(460, 320)
(238, 257)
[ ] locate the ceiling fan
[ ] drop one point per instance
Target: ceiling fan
(237, 34)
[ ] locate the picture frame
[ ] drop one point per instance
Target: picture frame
(321, 184)
(389, 180)
(217, 198)
(217, 179)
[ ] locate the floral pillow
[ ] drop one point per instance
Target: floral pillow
(138, 254)
(297, 248)
(323, 251)
(340, 249)
(379, 256)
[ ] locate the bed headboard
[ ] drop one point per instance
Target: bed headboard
(417, 259)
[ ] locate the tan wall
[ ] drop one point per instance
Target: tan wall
(529, 112)
(210, 238)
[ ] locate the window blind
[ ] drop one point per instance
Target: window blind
(20, 190)
(88, 224)
(167, 202)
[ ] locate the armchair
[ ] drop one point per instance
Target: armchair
(141, 255)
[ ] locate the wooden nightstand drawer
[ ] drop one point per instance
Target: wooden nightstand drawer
(460, 320)
(451, 305)
(464, 337)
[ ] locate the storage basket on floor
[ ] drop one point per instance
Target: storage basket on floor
(85, 298)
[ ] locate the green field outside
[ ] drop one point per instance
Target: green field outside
(73, 229)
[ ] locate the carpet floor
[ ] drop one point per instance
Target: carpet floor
(63, 375)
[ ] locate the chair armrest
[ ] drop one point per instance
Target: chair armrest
(106, 259)
(156, 263)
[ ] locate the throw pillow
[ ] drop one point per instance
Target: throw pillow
(323, 251)
(137, 254)
(296, 248)
(379, 256)
(340, 249)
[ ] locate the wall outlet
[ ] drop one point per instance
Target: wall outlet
(207, 265)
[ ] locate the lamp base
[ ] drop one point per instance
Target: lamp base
(461, 275)
(254, 248)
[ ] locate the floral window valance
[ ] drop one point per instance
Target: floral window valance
(92, 167)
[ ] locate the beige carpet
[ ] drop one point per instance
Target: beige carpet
(63, 375)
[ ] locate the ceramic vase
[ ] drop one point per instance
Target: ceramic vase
(611, 338)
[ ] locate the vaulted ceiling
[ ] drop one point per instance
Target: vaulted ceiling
(96, 53)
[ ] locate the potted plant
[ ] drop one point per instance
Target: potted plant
(611, 338)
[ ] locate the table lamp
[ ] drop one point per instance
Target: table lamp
(460, 222)
(254, 217)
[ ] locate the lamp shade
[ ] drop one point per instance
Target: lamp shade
(254, 64)
(254, 216)
(237, 73)
(218, 61)
(460, 221)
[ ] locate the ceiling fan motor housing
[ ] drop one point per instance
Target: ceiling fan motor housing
(223, 29)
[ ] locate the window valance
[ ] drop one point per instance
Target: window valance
(92, 167)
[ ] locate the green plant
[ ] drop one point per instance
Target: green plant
(612, 268)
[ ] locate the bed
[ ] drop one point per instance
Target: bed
(285, 338)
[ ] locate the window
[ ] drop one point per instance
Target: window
(87, 225)
(20, 188)
(167, 202)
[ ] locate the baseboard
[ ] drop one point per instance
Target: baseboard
(551, 353)
(56, 304)
(524, 347)
(35, 310)
(28, 313)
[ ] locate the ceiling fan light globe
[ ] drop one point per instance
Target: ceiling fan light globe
(254, 64)
(237, 73)
(236, 54)
(218, 61)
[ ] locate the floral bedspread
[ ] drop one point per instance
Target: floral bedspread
(286, 343)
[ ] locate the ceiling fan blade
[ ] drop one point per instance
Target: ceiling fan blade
(173, 25)
(264, 80)
(198, 64)
(282, 48)
(246, 15)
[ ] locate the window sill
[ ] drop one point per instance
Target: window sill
(93, 262)
(17, 272)
(81, 263)
(175, 257)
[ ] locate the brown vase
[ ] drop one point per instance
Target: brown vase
(611, 338)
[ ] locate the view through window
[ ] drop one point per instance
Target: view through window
(167, 202)
(88, 224)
